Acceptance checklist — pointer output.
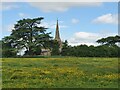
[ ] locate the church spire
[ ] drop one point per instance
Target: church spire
(57, 35)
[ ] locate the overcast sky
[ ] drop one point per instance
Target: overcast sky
(80, 23)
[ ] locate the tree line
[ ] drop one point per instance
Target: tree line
(104, 50)
(28, 34)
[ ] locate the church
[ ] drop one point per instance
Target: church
(47, 52)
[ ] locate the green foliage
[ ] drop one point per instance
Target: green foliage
(69, 72)
(65, 49)
(7, 48)
(112, 40)
(107, 49)
(55, 48)
(0, 48)
(93, 51)
(36, 51)
(28, 34)
(8, 53)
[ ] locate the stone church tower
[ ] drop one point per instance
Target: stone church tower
(57, 36)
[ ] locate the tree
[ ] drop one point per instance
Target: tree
(29, 34)
(91, 51)
(7, 48)
(108, 47)
(112, 40)
(55, 48)
(83, 50)
(0, 48)
(65, 48)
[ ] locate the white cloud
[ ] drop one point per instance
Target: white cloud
(87, 38)
(60, 6)
(8, 6)
(75, 21)
(107, 18)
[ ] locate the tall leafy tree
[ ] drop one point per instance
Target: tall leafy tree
(112, 40)
(29, 34)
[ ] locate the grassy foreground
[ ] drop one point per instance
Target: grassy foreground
(60, 72)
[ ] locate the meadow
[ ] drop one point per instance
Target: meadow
(67, 72)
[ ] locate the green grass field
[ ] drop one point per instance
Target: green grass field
(68, 72)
